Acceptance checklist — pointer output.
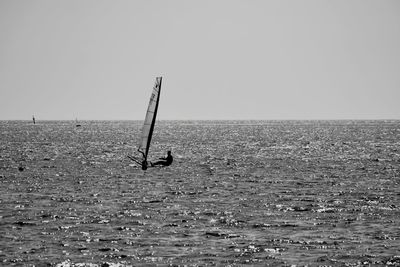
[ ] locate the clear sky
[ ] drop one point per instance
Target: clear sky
(220, 59)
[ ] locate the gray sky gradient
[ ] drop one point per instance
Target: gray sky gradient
(220, 59)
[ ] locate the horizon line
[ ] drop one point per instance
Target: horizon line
(349, 119)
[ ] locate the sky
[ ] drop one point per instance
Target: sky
(219, 59)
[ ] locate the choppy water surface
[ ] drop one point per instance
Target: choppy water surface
(275, 193)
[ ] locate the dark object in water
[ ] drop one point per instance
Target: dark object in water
(144, 165)
(77, 124)
(24, 223)
(20, 168)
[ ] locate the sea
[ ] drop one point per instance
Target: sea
(239, 193)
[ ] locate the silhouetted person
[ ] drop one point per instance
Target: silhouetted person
(165, 161)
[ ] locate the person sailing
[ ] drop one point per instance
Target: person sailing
(165, 161)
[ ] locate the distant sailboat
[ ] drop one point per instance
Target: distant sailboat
(33, 119)
(77, 124)
(148, 126)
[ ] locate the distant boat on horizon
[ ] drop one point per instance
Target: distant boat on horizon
(33, 119)
(77, 124)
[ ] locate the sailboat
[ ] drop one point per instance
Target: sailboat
(77, 124)
(148, 126)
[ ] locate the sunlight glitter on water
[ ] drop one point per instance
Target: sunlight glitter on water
(256, 192)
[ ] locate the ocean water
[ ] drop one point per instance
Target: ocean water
(256, 193)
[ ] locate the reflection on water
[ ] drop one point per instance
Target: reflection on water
(238, 192)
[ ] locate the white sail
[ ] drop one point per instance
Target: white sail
(149, 121)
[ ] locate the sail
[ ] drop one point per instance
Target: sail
(149, 121)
